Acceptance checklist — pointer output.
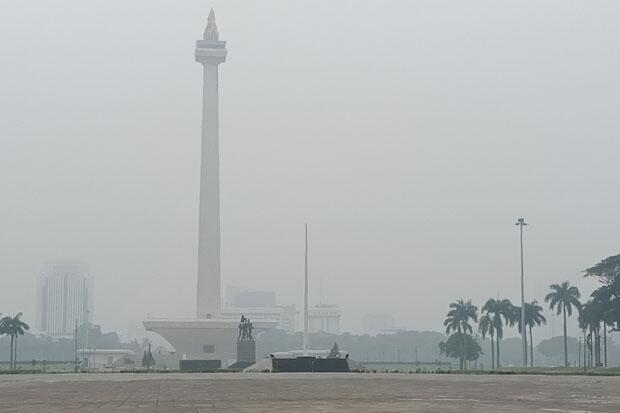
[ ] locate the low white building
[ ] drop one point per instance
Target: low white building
(204, 339)
(324, 318)
(106, 360)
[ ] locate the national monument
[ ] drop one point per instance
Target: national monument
(208, 336)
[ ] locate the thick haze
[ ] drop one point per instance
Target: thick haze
(409, 134)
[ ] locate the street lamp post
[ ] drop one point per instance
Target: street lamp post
(521, 223)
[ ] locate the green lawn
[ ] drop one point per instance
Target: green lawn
(39, 367)
(407, 367)
(404, 367)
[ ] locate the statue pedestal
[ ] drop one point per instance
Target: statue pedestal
(246, 352)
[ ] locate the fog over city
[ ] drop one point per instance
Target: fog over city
(410, 135)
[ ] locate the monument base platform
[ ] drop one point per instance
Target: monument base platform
(203, 339)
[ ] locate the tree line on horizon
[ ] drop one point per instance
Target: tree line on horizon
(57, 349)
(600, 311)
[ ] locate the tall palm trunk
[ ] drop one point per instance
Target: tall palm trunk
(597, 346)
(531, 349)
(591, 349)
(15, 353)
(11, 357)
(462, 346)
(585, 346)
(463, 351)
(565, 343)
(492, 353)
(526, 350)
(605, 341)
(497, 343)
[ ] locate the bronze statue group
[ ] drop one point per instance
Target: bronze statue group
(245, 329)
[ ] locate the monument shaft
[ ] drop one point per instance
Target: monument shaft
(208, 286)
(210, 52)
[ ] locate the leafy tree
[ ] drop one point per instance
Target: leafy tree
(148, 360)
(13, 327)
(486, 327)
(501, 312)
(603, 303)
(458, 319)
(460, 345)
(146, 342)
(552, 347)
(590, 319)
(608, 273)
(533, 317)
(564, 297)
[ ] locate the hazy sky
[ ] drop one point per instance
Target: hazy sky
(409, 134)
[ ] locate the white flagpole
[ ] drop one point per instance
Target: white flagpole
(305, 344)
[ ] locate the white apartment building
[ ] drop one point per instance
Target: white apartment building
(64, 296)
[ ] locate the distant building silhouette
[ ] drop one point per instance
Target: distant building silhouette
(378, 323)
(64, 296)
(244, 297)
(259, 305)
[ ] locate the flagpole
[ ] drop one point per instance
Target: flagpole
(305, 343)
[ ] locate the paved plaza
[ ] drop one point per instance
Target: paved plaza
(307, 393)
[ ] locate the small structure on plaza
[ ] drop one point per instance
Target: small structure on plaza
(105, 359)
(321, 361)
(334, 353)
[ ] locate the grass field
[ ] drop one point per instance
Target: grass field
(39, 367)
(403, 367)
(446, 368)
(60, 367)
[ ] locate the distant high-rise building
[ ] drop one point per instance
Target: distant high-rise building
(64, 296)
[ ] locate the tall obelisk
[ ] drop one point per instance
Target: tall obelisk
(210, 52)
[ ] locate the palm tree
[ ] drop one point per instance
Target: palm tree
(4, 330)
(457, 320)
(486, 327)
(533, 317)
(588, 323)
(499, 309)
(593, 313)
(564, 297)
(14, 327)
(602, 301)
